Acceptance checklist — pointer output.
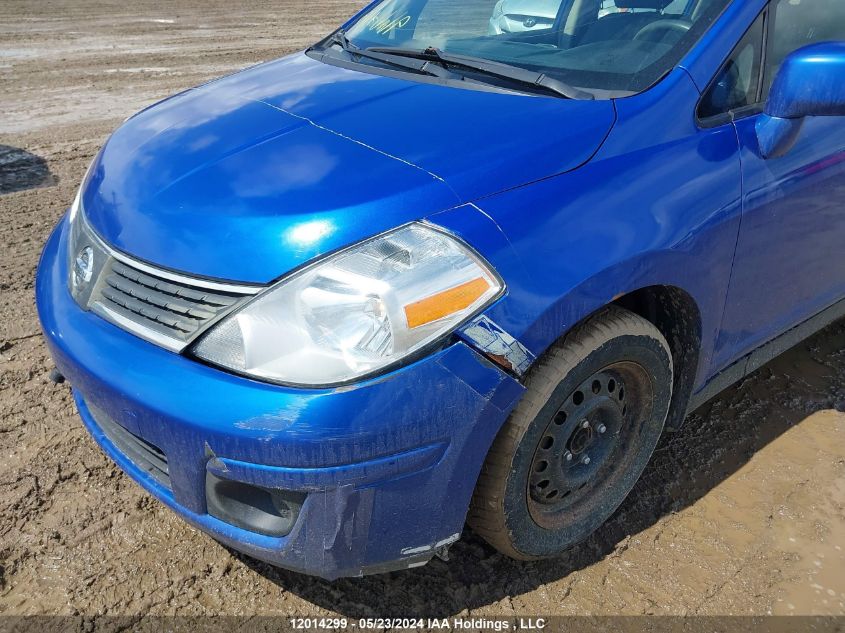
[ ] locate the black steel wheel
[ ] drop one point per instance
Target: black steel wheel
(575, 445)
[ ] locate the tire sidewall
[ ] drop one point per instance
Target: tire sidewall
(534, 541)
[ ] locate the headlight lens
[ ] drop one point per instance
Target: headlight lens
(80, 257)
(77, 201)
(356, 312)
(74, 208)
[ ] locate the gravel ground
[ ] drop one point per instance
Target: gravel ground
(742, 512)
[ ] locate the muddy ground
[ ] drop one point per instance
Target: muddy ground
(742, 512)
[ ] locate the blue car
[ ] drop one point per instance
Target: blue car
(335, 307)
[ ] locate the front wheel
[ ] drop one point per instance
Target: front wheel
(578, 440)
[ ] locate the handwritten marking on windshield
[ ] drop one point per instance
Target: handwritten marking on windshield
(385, 25)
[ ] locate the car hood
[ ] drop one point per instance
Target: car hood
(250, 176)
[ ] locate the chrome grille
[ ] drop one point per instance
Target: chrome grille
(168, 309)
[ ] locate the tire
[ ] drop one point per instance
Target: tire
(549, 481)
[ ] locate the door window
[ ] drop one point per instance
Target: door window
(737, 85)
(798, 23)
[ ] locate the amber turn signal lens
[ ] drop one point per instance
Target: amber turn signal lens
(445, 303)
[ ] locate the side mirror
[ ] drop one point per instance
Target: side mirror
(811, 82)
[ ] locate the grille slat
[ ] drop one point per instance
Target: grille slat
(202, 299)
(157, 299)
(133, 308)
(174, 310)
(148, 457)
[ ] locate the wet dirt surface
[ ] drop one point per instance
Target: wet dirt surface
(742, 512)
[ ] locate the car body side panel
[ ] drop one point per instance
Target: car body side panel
(793, 229)
(658, 205)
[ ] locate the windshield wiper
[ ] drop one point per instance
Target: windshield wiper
(487, 67)
(421, 65)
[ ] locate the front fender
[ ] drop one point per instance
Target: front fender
(661, 208)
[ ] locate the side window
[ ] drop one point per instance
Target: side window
(738, 83)
(798, 23)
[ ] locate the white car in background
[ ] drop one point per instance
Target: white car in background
(519, 16)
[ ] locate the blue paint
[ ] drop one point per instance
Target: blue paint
(250, 177)
(254, 156)
(393, 443)
(811, 82)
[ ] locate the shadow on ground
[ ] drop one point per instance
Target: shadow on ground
(21, 170)
(716, 441)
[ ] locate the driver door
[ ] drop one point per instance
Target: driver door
(788, 264)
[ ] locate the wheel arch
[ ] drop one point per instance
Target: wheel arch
(675, 313)
(672, 310)
(664, 287)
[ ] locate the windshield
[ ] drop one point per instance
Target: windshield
(620, 46)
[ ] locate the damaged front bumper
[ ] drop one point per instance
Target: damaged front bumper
(385, 469)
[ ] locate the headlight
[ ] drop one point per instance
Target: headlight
(356, 312)
(74, 208)
(77, 201)
(80, 255)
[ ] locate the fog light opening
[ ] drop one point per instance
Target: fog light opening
(266, 511)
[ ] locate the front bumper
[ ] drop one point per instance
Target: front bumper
(388, 465)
